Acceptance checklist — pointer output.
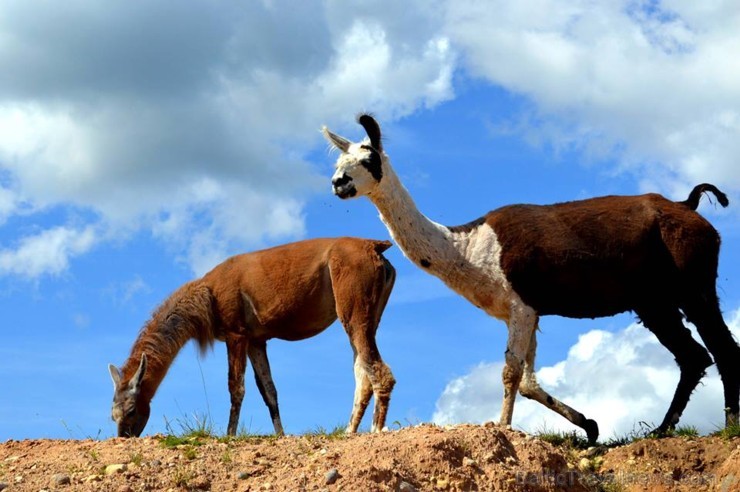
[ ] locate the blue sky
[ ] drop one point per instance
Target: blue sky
(140, 145)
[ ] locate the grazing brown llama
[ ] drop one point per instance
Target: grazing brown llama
(291, 292)
(581, 259)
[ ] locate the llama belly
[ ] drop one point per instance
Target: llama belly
(581, 297)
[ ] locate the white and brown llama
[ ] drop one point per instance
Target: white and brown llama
(581, 259)
(291, 292)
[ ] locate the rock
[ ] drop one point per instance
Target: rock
(331, 476)
(406, 487)
(242, 475)
(442, 483)
(60, 479)
(3, 485)
(117, 468)
(469, 462)
(155, 463)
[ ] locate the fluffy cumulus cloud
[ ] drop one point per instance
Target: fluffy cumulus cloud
(191, 121)
(619, 379)
(652, 83)
(46, 252)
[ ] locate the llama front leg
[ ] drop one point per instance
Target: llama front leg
(263, 377)
(530, 388)
(236, 352)
(522, 323)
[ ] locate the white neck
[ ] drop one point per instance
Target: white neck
(468, 261)
(428, 244)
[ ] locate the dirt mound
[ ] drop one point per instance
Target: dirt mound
(427, 457)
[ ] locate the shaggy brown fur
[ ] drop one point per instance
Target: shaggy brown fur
(291, 292)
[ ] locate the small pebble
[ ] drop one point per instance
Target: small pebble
(242, 475)
(117, 468)
(155, 463)
(406, 487)
(469, 462)
(60, 479)
(3, 485)
(331, 476)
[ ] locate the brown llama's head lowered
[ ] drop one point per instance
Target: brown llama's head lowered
(130, 412)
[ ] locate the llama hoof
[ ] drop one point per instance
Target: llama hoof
(592, 430)
(661, 431)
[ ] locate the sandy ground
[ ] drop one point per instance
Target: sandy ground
(426, 457)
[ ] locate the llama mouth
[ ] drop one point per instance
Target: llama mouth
(345, 191)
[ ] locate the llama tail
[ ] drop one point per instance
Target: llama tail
(693, 200)
(380, 246)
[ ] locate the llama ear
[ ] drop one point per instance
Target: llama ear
(372, 129)
(135, 382)
(115, 375)
(335, 140)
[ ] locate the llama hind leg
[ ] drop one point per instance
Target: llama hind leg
(707, 317)
(236, 351)
(263, 377)
(530, 388)
(381, 381)
(692, 358)
(363, 393)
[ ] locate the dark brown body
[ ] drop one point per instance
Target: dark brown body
(603, 256)
(291, 292)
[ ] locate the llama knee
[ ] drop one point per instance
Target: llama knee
(512, 373)
(382, 380)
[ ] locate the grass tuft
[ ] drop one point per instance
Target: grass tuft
(338, 432)
(729, 432)
(572, 440)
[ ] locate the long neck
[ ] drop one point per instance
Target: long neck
(185, 315)
(160, 348)
(428, 244)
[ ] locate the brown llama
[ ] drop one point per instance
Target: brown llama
(582, 259)
(291, 292)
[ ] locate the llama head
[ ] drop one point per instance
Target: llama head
(129, 411)
(359, 168)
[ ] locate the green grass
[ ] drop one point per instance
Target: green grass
(136, 458)
(685, 431)
(728, 432)
(641, 430)
(572, 440)
(338, 432)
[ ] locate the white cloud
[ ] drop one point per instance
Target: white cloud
(650, 83)
(192, 121)
(618, 379)
(48, 252)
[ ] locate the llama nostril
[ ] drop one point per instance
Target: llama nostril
(343, 180)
